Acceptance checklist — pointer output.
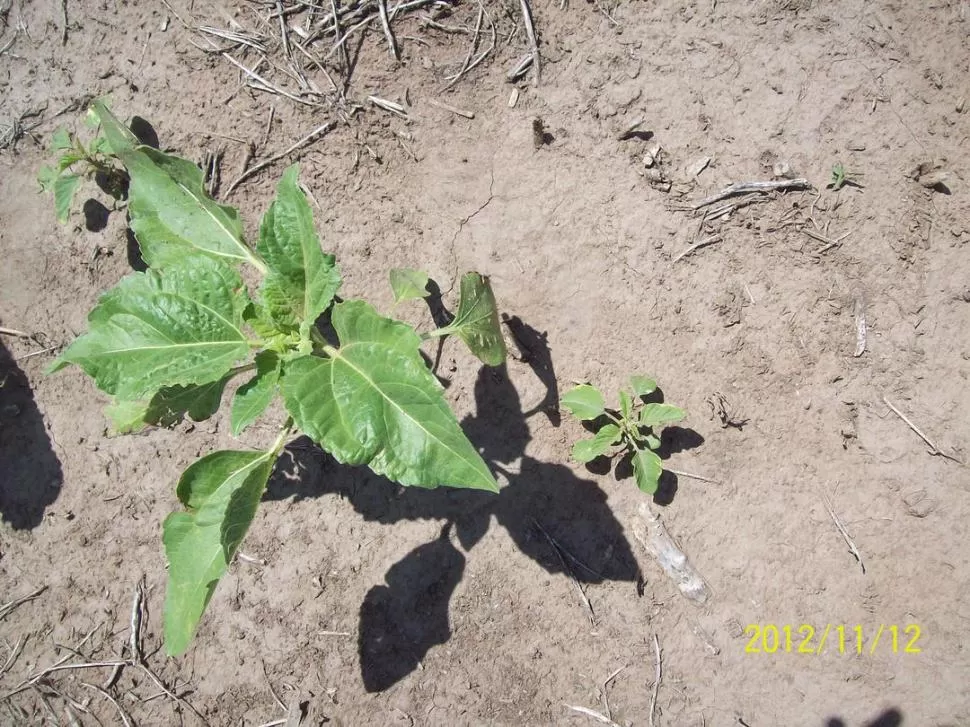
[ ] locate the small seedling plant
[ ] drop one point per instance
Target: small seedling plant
(76, 161)
(167, 342)
(842, 177)
(631, 430)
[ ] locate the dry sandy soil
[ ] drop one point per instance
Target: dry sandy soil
(369, 604)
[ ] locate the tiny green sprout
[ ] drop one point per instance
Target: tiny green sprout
(633, 429)
(842, 177)
(76, 160)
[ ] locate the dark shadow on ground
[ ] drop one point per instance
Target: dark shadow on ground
(30, 473)
(409, 615)
(890, 718)
(560, 521)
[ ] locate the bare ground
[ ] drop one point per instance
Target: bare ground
(375, 605)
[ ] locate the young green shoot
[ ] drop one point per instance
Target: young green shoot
(76, 161)
(633, 429)
(842, 177)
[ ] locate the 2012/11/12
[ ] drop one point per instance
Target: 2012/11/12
(770, 639)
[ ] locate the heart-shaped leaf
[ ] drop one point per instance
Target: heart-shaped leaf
(642, 385)
(302, 280)
(255, 395)
(373, 401)
(586, 450)
(168, 407)
(171, 213)
(584, 402)
(476, 323)
(407, 284)
(652, 415)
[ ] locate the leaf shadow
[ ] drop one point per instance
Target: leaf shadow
(891, 717)
(32, 475)
(560, 521)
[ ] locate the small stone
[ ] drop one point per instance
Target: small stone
(961, 105)
(933, 179)
(782, 170)
(698, 166)
(855, 146)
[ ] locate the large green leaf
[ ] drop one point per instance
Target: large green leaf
(476, 322)
(586, 450)
(585, 402)
(171, 213)
(302, 280)
(168, 406)
(221, 492)
(374, 402)
(152, 330)
(119, 137)
(652, 415)
(408, 284)
(647, 467)
(255, 395)
(173, 216)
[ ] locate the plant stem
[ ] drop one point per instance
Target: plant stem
(437, 333)
(616, 420)
(278, 444)
(242, 369)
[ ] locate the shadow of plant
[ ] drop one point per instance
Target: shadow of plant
(557, 519)
(31, 474)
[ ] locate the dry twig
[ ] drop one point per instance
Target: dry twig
(569, 571)
(388, 33)
(692, 476)
(657, 676)
(697, 246)
(844, 533)
(125, 719)
(934, 450)
(13, 332)
(601, 718)
(7, 608)
(452, 109)
(530, 30)
(311, 137)
(14, 653)
(746, 187)
(606, 685)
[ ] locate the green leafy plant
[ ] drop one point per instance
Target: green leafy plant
(633, 429)
(75, 161)
(842, 177)
(166, 343)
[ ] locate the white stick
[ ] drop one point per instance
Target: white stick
(649, 530)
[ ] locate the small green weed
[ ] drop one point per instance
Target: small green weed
(633, 429)
(842, 177)
(76, 160)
